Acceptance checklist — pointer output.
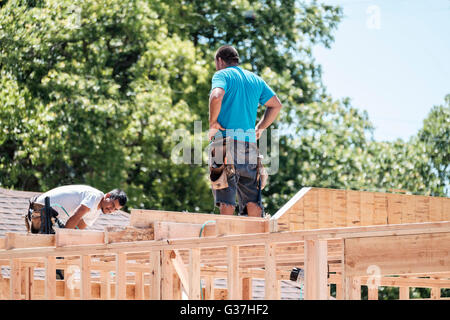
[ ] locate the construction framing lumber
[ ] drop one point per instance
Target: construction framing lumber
(342, 237)
(403, 254)
(316, 270)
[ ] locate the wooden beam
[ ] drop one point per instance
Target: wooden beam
(177, 230)
(69, 282)
(85, 267)
(404, 293)
(247, 293)
(398, 254)
(167, 276)
(372, 293)
(352, 288)
(15, 275)
(139, 285)
(121, 260)
(225, 224)
(194, 274)
(434, 228)
(181, 270)
(155, 275)
(105, 285)
(15, 240)
(270, 274)
(50, 278)
(316, 270)
(74, 237)
(233, 273)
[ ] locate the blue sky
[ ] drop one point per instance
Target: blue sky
(392, 58)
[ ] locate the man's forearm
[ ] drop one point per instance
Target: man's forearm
(77, 217)
(269, 117)
(214, 110)
(273, 108)
(215, 104)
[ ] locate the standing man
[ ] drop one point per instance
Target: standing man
(233, 103)
(78, 206)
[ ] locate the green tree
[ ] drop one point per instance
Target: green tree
(435, 135)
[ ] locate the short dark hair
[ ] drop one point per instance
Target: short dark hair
(118, 194)
(228, 54)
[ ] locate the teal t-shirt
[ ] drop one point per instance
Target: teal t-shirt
(244, 92)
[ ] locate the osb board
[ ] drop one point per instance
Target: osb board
(128, 234)
(422, 253)
(318, 208)
(225, 224)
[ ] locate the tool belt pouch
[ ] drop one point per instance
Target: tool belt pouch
(33, 214)
(220, 163)
(262, 172)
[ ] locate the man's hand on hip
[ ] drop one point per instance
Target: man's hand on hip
(258, 132)
(213, 128)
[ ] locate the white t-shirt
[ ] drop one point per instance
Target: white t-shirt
(70, 197)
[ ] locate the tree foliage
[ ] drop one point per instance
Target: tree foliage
(95, 91)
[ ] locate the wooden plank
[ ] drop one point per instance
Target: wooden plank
(311, 209)
(121, 260)
(435, 293)
(225, 227)
(69, 282)
(85, 267)
(398, 254)
(15, 240)
(220, 294)
(325, 212)
(241, 240)
(167, 273)
(404, 293)
(380, 209)
(372, 293)
(367, 208)
(29, 283)
(353, 288)
(181, 270)
(353, 208)
(75, 237)
(50, 278)
(394, 208)
(209, 288)
(292, 202)
(15, 293)
(177, 294)
(128, 234)
(178, 230)
(105, 285)
(194, 274)
(247, 293)
(409, 206)
(270, 273)
(422, 208)
(233, 273)
(316, 270)
(296, 216)
(144, 218)
(445, 209)
(2, 243)
(339, 207)
(436, 209)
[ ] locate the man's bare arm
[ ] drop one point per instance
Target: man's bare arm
(77, 218)
(273, 108)
(215, 104)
